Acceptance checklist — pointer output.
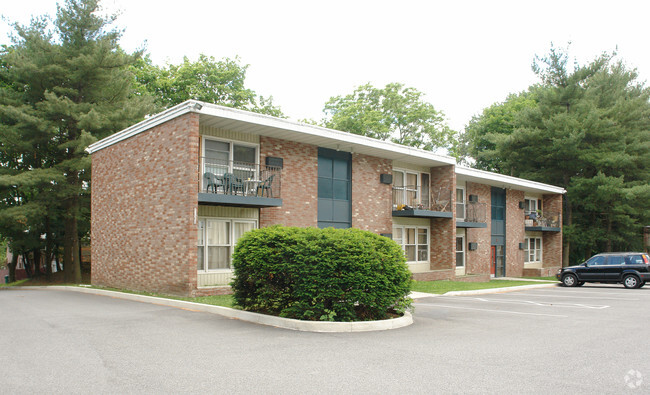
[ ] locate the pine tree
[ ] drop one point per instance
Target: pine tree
(588, 132)
(64, 88)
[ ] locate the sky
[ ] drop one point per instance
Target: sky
(463, 55)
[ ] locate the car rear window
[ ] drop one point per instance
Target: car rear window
(634, 260)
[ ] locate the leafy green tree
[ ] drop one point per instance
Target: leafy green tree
(207, 79)
(392, 113)
(63, 88)
(498, 119)
(589, 132)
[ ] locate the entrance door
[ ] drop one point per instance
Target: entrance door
(334, 189)
(498, 206)
(493, 260)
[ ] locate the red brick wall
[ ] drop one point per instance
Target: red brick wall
(552, 241)
(299, 183)
(443, 230)
(515, 233)
(144, 197)
(479, 261)
(371, 200)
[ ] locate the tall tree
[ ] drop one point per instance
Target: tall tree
(589, 132)
(499, 118)
(64, 88)
(393, 113)
(207, 79)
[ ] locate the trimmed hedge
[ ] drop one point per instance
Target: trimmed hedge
(320, 274)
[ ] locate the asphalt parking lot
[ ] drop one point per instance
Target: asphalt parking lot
(562, 340)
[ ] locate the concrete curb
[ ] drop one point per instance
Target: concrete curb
(500, 290)
(279, 322)
(419, 295)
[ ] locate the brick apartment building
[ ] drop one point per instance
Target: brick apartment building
(172, 194)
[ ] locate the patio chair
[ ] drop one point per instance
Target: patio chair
(266, 185)
(213, 181)
(233, 184)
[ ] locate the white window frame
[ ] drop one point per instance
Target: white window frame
(403, 244)
(464, 204)
(418, 186)
(537, 250)
(528, 199)
(230, 154)
(231, 239)
(463, 251)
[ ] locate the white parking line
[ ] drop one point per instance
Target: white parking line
(491, 311)
(602, 291)
(574, 297)
(530, 302)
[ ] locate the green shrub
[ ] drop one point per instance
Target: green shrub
(320, 274)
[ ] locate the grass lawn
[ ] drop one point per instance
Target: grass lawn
(551, 278)
(215, 300)
(444, 286)
(16, 283)
(434, 287)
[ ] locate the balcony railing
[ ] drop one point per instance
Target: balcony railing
(543, 219)
(239, 178)
(471, 212)
(421, 198)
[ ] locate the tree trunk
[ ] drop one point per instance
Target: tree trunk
(12, 267)
(68, 242)
(48, 249)
(568, 220)
(71, 264)
(57, 259)
(608, 242)
(37, 262)
(76, 256)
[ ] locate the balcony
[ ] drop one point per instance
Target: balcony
(421, 202)
(543, 221)
(471, 215)
(233, 183)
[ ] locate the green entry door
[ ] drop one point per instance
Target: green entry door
(334, 189)
(498, 207)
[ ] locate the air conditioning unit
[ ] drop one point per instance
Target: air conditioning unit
(473, 198)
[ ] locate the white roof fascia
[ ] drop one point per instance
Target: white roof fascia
(508, 181)
(209, 109)
(313, 130)
(155, 120)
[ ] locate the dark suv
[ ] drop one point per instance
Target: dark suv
(630, 268)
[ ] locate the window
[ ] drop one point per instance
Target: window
(634, 260)
(411, 189)
(615, 260)
(414, 242)
(460, 251)
(533, 251)
(460, 204)
(222, 157)
(405, 188)
(216, 240)
(596, 260)
(531, 205)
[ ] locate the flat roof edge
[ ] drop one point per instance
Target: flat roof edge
(508, 180)
(155, 120)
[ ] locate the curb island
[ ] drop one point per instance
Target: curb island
(257, 318)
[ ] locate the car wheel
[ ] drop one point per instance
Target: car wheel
(642, 284)
(570, 280)
(580, 284)
(631, 281)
